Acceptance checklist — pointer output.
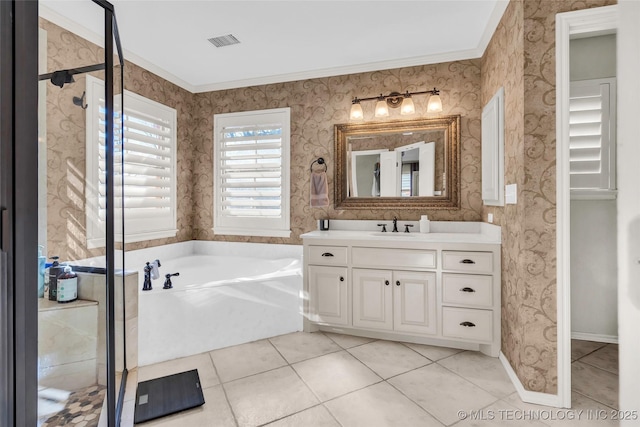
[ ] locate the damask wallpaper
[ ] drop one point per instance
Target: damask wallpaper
(521, 56)
(316, 106)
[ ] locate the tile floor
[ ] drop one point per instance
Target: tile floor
(326, 380)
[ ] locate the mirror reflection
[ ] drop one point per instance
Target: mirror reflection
(401, 164)
(396, 165)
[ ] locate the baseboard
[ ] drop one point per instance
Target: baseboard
(534, 397)
(610, 339)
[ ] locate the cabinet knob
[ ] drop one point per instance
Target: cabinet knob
(467, 261)
(467, 289)
(397, 282)
(327, 254)
(468, 324)
(341, 279)
(386, 282)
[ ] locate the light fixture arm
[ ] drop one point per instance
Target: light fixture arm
(393, 95)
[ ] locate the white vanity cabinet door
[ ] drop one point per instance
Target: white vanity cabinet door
(414, 300)
(328, 294)
(372, 299)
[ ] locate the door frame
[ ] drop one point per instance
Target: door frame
(588, 21)
(19, 212)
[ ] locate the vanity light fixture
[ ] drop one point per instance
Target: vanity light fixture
(395, 100)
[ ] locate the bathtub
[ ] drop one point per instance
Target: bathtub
(226, 294)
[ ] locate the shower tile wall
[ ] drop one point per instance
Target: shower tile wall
(67, 344)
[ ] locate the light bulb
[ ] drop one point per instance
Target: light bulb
(407, 106)
(435, 104)
(356, 112)
(381, 108)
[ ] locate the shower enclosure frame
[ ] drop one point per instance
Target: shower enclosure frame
(19, 210)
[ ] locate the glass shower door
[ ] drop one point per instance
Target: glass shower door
(79, 347)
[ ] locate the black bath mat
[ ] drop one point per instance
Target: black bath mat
(167, 395)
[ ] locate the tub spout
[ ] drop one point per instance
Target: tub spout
(167, 282)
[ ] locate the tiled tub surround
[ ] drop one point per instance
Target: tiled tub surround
(227, 294)
(92, 287)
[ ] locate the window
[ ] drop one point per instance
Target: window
(592, 126)
(149, 176)
(251, 173)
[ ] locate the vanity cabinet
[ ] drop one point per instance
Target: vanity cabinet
(328, 294)
(394, 300)
(435, 289)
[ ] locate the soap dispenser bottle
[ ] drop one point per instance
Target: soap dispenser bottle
(54, 271)
(424, 224)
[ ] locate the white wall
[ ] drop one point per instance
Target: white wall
(592, 57)
(594, 266)
(594, 297)
(629, 206)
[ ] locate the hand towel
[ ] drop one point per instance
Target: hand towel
(319, 190)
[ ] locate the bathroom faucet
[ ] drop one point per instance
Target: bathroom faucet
(167, 282)
(395, 225)
(148, 272)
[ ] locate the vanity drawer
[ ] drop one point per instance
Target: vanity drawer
(328, 255)
(467, 323)
(467, 289)
(393, 258)
(467, 262)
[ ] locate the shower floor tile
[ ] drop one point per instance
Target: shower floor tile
(81, 409)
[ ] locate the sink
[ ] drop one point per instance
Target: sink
(391, 234)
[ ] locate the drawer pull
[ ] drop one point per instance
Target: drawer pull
(327, 254)
(341, 279)
(397, 282)
(467, 289)
(386, 282)
(468, 324)
(467, 261)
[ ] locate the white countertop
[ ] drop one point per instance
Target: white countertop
(442, 232)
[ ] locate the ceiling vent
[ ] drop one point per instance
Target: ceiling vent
(221, 41)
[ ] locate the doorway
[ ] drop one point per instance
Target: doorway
(586, 205)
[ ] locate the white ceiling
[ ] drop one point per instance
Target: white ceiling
(284, 40)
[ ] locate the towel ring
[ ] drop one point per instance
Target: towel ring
(319, 161)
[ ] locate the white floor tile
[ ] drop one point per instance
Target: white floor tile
(318, 416)
(335, 374)
(247, 359)
(301, 346)
(484, 371)
(387, 358)
(379, 405)
(201, 362)
(348, 341)
(269, 396)
(441, 392)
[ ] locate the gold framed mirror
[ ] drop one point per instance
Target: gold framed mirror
(408, 164)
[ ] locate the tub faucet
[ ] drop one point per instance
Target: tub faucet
(150, 271)
(167, 282)
(147, 278)
(395, 225)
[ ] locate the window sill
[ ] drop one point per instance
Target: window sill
(133, 237)
(593, 194)
(228, 231)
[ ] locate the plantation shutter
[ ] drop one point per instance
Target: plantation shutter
(145, 166)
(252, 169)
(592, 134)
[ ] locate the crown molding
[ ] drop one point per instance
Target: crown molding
(492, 24)
(338, 71)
